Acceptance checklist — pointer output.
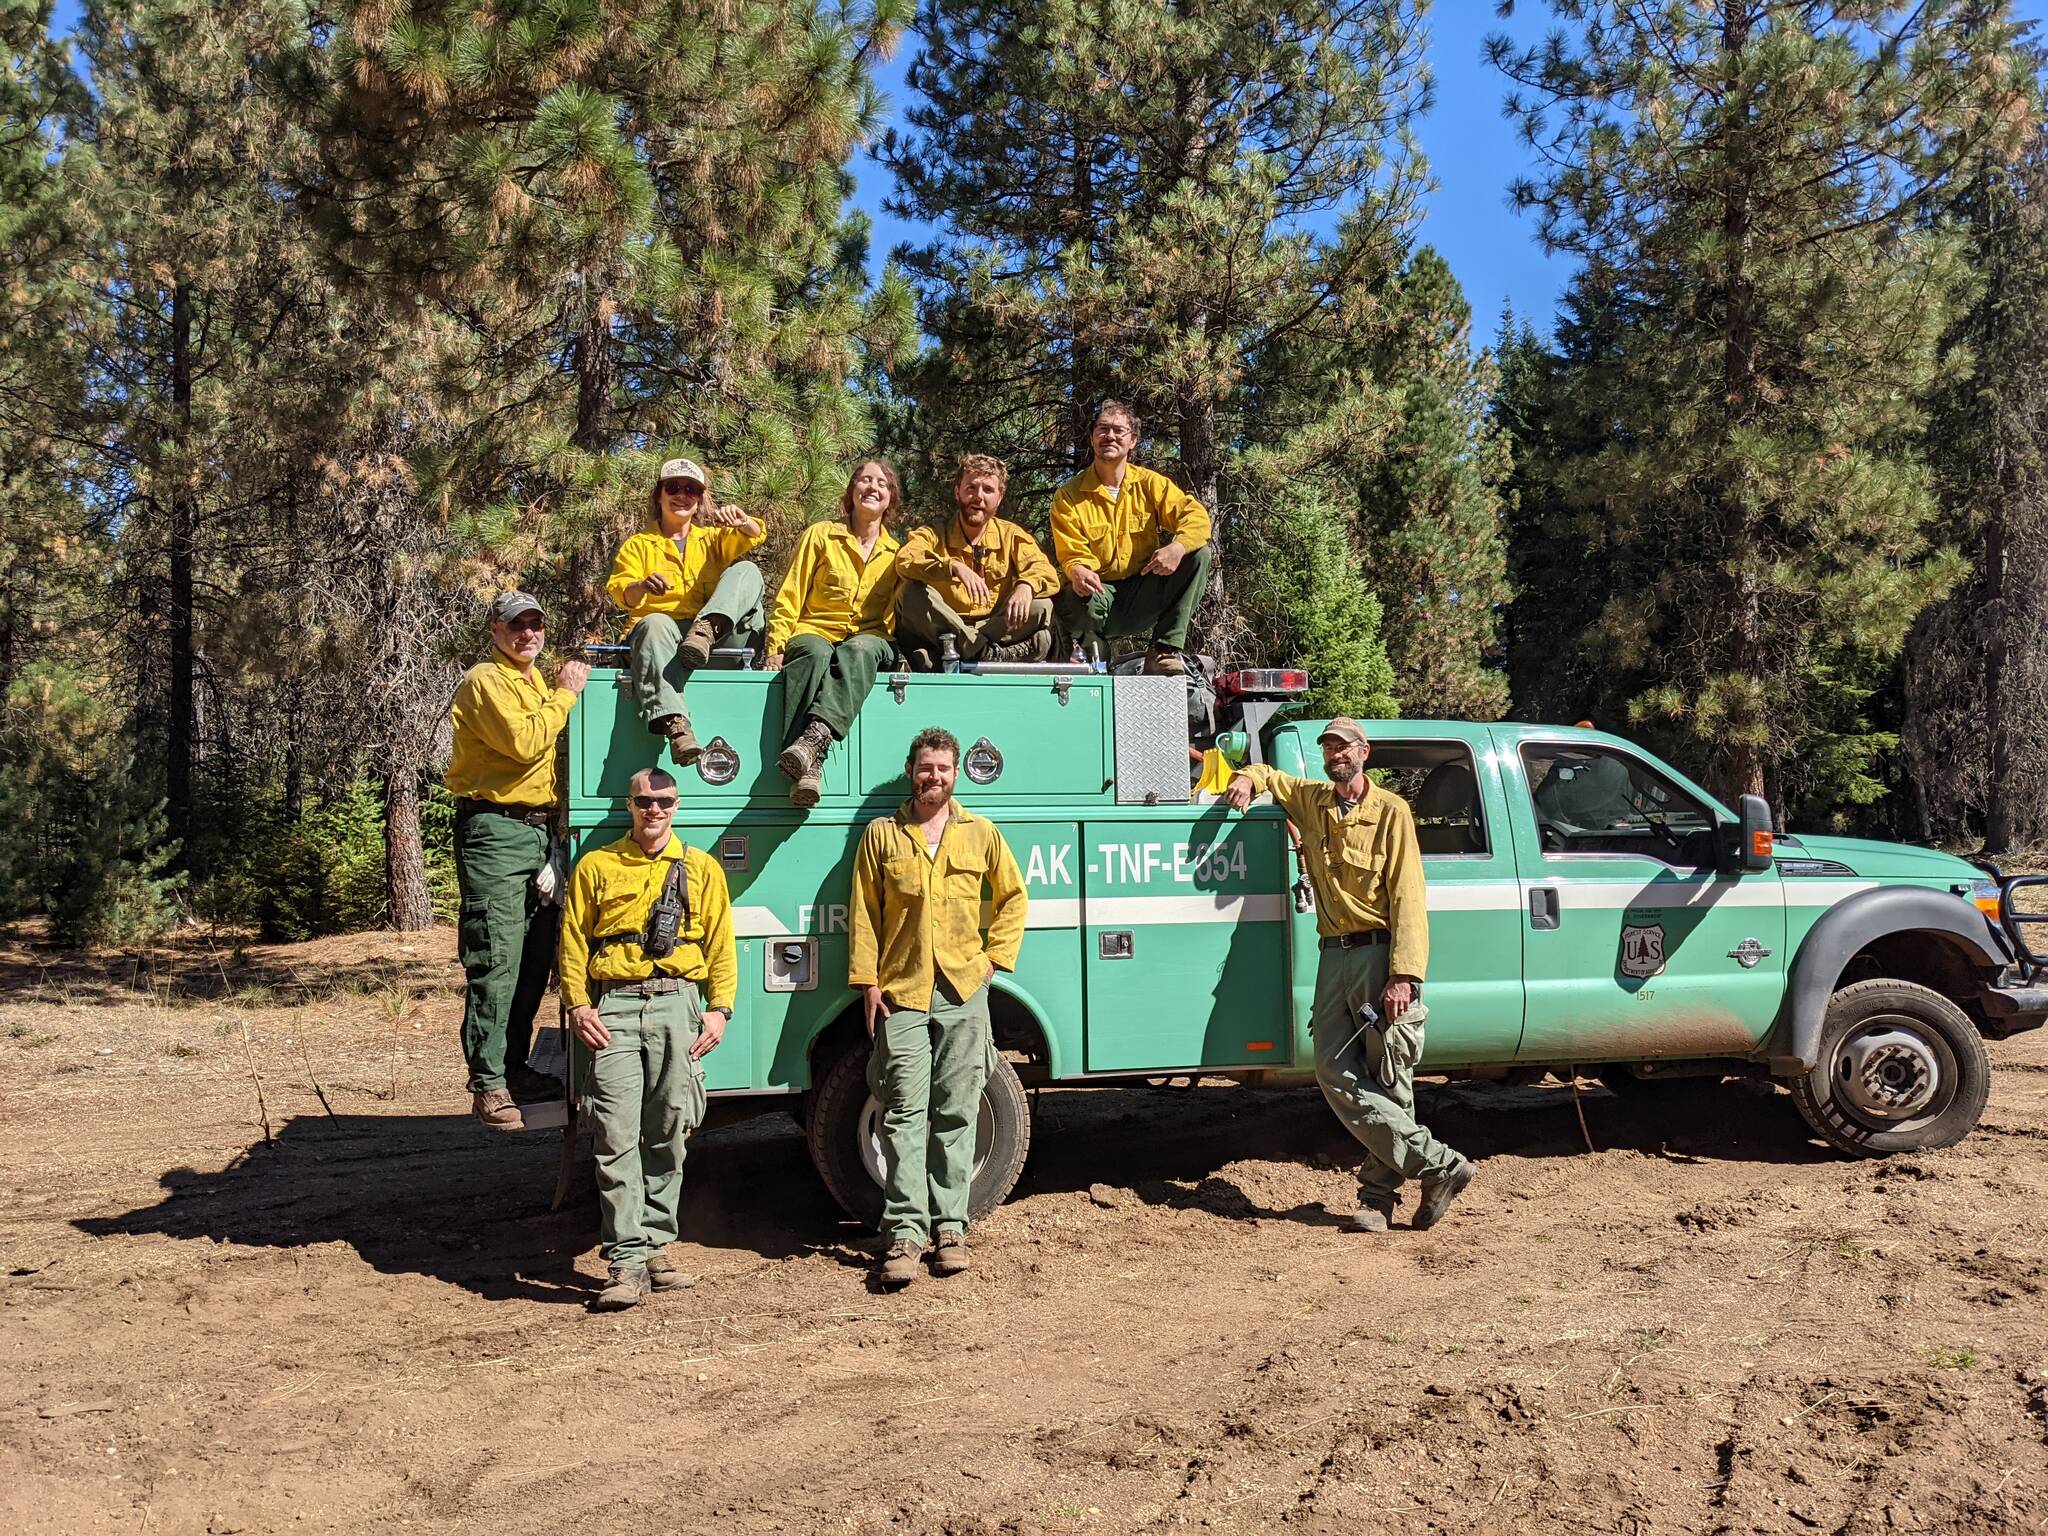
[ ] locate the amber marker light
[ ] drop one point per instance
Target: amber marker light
(1258, 1045)
(1760, 844)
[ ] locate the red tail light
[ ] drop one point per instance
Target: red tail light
(1258, 680)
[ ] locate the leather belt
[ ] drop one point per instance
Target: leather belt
(1356, 940)
(646, 986)
(532, 815)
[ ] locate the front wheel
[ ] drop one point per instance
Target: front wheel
(1901, 1069)
(844, 1133)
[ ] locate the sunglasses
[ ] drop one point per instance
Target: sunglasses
(682, 488)
(654, 802)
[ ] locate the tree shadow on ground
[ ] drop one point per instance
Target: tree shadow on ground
(437, 1195)
(1168, 1146)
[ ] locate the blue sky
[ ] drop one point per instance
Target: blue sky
(1472, 150)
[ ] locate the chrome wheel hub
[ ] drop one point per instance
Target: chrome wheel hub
(1887, 1071)
(875, 1161)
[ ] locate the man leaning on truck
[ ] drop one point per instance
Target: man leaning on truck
(649, 971)
(1358, 841)
(918, 957)
(506, 717)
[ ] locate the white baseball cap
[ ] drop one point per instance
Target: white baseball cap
(684, 469)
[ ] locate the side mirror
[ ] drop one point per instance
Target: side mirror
(1751, 837)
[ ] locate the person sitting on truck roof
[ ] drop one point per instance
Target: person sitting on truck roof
(649, 972)
(505, 717)
(686, 589)
(1133, 547)
(829, 634)
(1372, 911)
(981, 579)
(916, 952)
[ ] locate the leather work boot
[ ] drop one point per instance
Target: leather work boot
(530, 1087)
(950, 1256)
(803, 757)
(662, 1275)
(494, 1107)
(899, 1265)
(629, 1285)
(919, 658)
(682, 741)
(807, 791)
(1437, 1194)
(1371, 1216)
(1164, 661)
(697, 644)
(1037, 648)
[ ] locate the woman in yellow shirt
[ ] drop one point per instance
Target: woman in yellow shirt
(685, 587)
(834, 615)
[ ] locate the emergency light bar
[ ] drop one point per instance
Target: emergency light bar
(1252, 681)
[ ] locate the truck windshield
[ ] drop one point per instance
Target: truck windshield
(1592, 799)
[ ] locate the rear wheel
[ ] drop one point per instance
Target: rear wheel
(844, 1133)
(1901, 1069)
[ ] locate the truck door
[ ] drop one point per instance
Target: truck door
(1474, 990)
(1635, 945)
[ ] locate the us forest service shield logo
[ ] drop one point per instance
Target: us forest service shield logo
(1642, 952)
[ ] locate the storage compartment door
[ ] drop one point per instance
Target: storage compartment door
(1184, 947)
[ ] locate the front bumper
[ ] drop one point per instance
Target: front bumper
(2016, 1003)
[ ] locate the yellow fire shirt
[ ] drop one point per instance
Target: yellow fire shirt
(1116, 535)
(692, 570)
(917, 917)
(505, 728)
(613, 890)
(1008, 555)
(833, 590)
(1366, 867)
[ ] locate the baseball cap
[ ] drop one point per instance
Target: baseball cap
(684, 469)
(1344, 728)
(507, 606)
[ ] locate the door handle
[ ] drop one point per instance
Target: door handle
(1543, 907)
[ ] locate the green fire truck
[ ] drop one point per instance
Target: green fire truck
(1589, 906)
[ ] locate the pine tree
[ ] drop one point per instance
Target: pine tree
(1749, 184)
(1976, 674)
(1125, 191)
(637, 208)
(1394, 427)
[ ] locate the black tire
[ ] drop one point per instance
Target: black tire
(841, 1104)
(1901, 1069)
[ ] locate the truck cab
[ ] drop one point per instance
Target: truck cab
(1589, 906)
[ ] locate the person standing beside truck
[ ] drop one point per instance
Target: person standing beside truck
(505, 718)
(686, 587)
(1132, 546)
(1372, 912)
(981, 579)
(918, 958)
(649, 972)
(829, 634)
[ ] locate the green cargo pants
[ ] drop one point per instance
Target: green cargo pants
(1368, 1073)
(928, 1070)
(506, 938)
(830, 681)
(643, 1096)
(658, 678)
(1155, 608)
(923, 617)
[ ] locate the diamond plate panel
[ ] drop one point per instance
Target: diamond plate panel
(1151, 725)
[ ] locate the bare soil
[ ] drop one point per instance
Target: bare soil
(370, 1319)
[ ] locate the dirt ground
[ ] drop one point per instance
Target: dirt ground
(371, 1320)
